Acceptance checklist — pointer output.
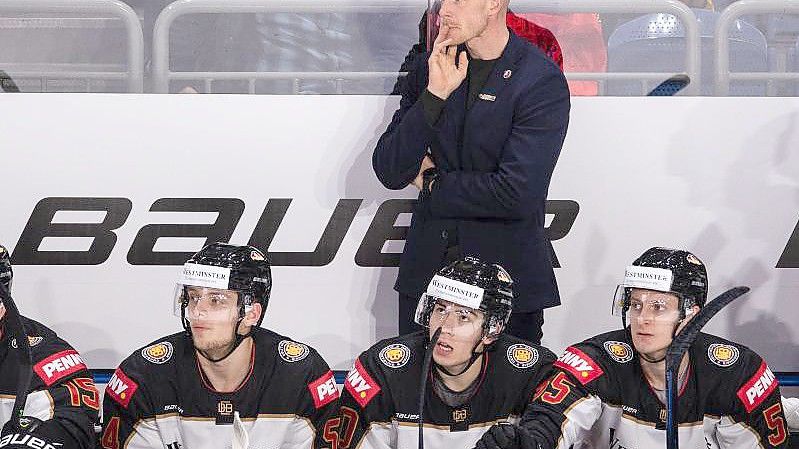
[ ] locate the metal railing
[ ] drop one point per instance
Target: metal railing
(727, 19)
(162, 73)
(135, 38)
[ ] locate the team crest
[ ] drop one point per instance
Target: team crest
(395, 356)
(522, 356)
(158, 353)
(32, 341)
(291, 351)
(722, 355)
(693, 259)
(503, 276)
(619, 351)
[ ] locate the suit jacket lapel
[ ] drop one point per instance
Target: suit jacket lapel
(501, 76)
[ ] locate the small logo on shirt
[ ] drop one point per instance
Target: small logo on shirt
(619, 351)
(291, 351)
(323, 390)
(58, 366)
(722, 355)
(360, 384)
(121, 388)
(158, 353)
(522, 356)
(395, 355)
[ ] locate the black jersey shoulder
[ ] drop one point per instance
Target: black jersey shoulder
(513, 356)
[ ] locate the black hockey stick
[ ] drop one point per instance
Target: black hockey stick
(16, 330)
(428, 360)
(671, 86)
(677, 348)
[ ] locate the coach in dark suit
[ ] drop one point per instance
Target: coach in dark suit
(480, 127)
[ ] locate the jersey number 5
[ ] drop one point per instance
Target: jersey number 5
(555, 391)
(776, 423)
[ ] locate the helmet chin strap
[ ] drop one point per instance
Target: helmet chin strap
(673, 335)
(237, 339)
(475, 355)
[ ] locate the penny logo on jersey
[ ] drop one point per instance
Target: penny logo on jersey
(121, 388)
(758, 388)
(579, 365)
(360, 384)
(323, 390)
(58, 366)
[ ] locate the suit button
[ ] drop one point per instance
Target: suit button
(444, 234)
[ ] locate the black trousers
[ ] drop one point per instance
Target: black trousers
(524, 325)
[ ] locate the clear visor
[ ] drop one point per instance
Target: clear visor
(644, 307)
(205, 303)
(454, 319)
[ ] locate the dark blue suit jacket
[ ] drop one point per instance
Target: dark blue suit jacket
(495, 162)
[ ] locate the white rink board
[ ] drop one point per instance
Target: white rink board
(717, 175)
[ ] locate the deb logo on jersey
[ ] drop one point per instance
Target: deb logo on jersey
(323, 390)
(360, 385)
(58, 366)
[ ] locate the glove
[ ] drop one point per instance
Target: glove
(27, 433)
(791, 408)
(502, 435)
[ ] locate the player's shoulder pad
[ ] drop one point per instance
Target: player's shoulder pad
(397, 354)
(157, 359)
(290, 354)
(595, 357)
(53, 358)
(159, 353)
(735, 365)
(390, 363)
(521, 355)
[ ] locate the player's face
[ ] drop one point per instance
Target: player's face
(462, 20)
(653, 316)
(461, 329)
(212, 314)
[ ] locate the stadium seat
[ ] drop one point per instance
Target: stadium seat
(656, 43)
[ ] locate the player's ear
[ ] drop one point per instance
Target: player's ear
(252, 316)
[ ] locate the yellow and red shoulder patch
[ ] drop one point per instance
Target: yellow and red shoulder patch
(361, 385)
(323, 390)
(121, 388)
(758, 388)
(579, 365)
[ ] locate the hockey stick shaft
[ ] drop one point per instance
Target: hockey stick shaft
(671, 86)
(17, 331)
(677, 349)
(428, 360)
